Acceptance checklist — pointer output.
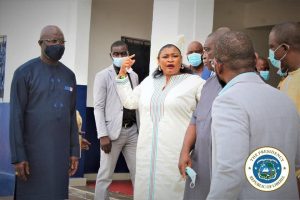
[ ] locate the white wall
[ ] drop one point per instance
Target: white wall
(270, 12)
(110, 20)
(256, 18)
(22, 21)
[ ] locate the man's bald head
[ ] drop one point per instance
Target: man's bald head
(218, 33)
(195, 47)
(209, 45)
(50, 32)
(288, 33)
(214, 36)
(222, 30)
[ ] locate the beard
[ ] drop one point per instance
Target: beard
(222, 83)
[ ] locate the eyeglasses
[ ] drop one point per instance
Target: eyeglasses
(118, 54)
(54, 41)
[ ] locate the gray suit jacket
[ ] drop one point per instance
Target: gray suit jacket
(108, 109)
(247, 116)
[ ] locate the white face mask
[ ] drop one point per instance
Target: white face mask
(118, 61)
(192, 174)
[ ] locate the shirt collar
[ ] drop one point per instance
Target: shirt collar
(294, 72)
(234, 81)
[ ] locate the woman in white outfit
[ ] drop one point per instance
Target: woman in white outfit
(166, 101)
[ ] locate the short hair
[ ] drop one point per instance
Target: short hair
(289, 33)
(117, 44)
(236, 50)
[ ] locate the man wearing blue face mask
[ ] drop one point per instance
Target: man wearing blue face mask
(116, 126)
(194, 57)
(262, 67)
(284, 53)
(196, 148)
(43, 130)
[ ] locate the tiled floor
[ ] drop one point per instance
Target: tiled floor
(119, 190)
(79, 193)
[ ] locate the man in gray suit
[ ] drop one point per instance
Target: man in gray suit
(116, 126)
(249, 115)
(198, 135)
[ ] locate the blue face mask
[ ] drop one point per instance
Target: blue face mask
(192, 174)
(276, 63)
(265, 75)
(195, 59)
(117, 61)
(281, 74)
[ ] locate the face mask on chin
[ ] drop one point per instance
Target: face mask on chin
(265, 75)
(212, 64)
(280, 73)
(54, 52)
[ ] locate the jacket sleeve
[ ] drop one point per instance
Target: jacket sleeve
(18, 102)
(136, 77)
(230, 141)
(129, 98)
(199, 89)
(74, 138)
(100, 93)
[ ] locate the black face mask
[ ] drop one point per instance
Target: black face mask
(222, 83)
(55, 52)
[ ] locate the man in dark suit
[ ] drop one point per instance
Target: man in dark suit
(43, 132)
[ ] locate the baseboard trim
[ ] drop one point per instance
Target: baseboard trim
(116, 176)
(77, 181)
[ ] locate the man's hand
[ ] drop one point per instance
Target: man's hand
(105, 144)
(126, 65)
(73, 165)
(184, 161)
(85, 144)
(188, 144)
(22, 170)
